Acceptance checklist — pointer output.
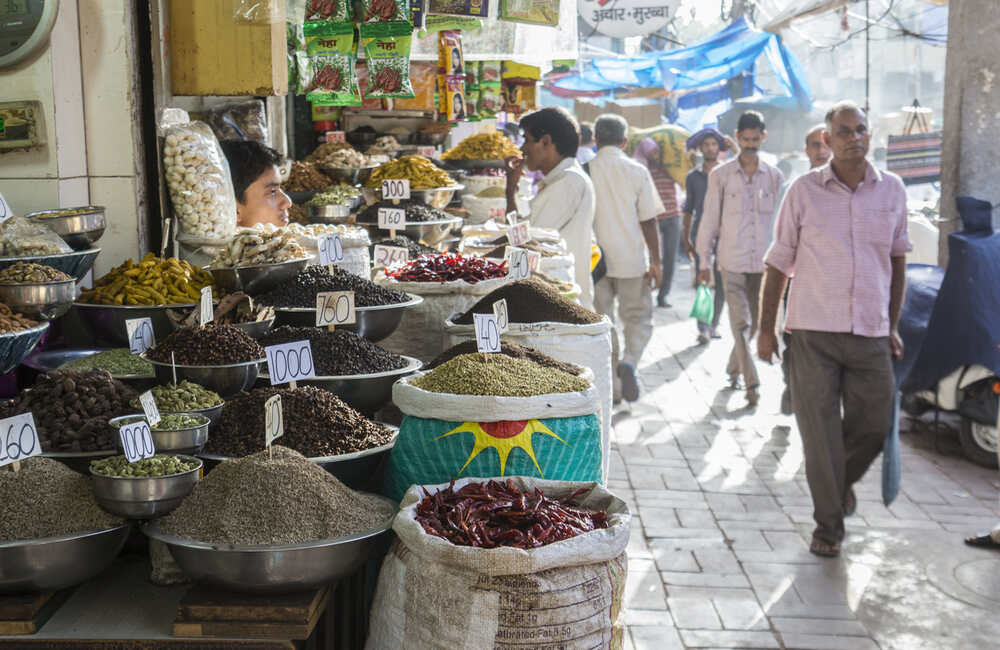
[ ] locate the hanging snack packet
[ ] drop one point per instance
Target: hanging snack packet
(337, 11)
(472, 76)
(386, 11)
(490, 99)
(454, 98)
(472, 104)
(490, 71)
(451, 59)
(329, 75)
(387, 48)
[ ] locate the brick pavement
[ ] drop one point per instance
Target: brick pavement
(722, 517)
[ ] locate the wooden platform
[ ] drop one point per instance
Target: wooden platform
(27, 613)
(207, 612)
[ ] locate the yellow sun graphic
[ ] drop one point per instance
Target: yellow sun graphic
(504, 437)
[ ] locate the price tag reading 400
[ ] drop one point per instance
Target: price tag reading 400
(391, 218)
(518, 265)
(518, 235)
(290, 362)
(335, 308)
(390, 255)
(331, 249)
(487, 333)
(18, 439)
(140, 334)
(274, 420)
(137, 441)
(395, 188)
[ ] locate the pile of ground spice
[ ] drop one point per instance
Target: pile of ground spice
(511, 350)
(532, 302)
(498, 375)
(269, 499)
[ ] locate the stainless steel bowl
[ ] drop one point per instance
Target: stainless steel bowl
(257, 328)
(373, 323)
(76, 263)
(463, 163)
(436, 197)
(144, 497)
(189, 440)
(347, 175)
(364, 393)
(257, 279)
(431, 233)
(106, 323)
(334, 213)
(431, 139)
(271, 569)
(80, 229)
(16, 346)
(213, 413)
(226, 380)
(44, 300)
(53, 563)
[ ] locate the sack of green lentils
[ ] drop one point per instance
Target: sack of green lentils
(555, 434)
(569, 594)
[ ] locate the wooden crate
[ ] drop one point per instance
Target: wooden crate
(208, 612)
(27, 613)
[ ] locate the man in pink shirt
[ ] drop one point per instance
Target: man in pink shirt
(739, 212)
(842, 235)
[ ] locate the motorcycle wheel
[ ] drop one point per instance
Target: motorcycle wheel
(979, 442)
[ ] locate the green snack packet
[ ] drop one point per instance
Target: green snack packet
(490, 99)
(386, 11)
(472, 104)
(387, 48)
(327, 71)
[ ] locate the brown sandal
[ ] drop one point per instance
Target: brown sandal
(821, 548)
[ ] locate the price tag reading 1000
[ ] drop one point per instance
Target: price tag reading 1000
(137, 441)
(487, 332)
(290, 362)
(18, 439)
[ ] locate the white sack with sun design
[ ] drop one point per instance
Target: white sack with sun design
(445, 436)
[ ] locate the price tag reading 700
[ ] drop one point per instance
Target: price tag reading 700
(137, 441)
(18, 439)
(140, 334)
(290, 362)
(395, 188)
(487, 332)
(335, 308)
(331, 249)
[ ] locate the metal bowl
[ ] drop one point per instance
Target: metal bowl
(257, 328)
(431, 139)
(54, 563)
(213, 413)
(227, 380)
(144, 497)
(436, 197)
(271, 569)
(334, 213)
(189, 440)
(44, 300)
(373, 323)
(107, 322)
(77, 263)
(78, 227)
(360, 139)
(16, 346)
(430, 233)
(257, 279)
(463, 163)
(364, 393)
(48, 360)
(347, 175)
(302, 196)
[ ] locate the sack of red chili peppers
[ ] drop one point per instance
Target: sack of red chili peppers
(567, 594)
(386, 11)
(387, 48)
(327, 72)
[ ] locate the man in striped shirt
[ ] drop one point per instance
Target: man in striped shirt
(842, 234)
(648, 153)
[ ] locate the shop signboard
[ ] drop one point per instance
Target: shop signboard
(624, 18)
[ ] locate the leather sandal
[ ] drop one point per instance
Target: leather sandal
(982, 540)
(821, 548)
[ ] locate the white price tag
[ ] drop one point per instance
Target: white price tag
(137, 441)
(331, 249)
(395, 188)
(6, 212)
(335, 136)
(429, 152)
(534, 260)
(290, 362)
(335, 308)
(18, 439)
(500, 311)
(518, 265)
(274, 420)
(512, 217)
(390, 255)
(391, 218)
(206, 314)
(149, 408)
(140, 334)
(518, 234)
(487, 333)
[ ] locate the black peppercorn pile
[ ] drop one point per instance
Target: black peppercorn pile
(415, 212)
(302, 290)
(338, 352)
(213, 345)
(532, 301)
(316, 424)
(414, 249)
(71, 409)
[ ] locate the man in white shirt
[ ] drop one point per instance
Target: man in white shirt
(627, 206)
(565, 198)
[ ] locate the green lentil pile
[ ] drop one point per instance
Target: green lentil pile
(48, 499)
(158, 465)
(170, 422)
(509, 349)
(498, 375)
(119, 361)
(185, 396)
(265, 500)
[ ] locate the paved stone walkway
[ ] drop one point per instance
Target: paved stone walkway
(719, 550)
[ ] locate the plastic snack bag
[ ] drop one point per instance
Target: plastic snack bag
(534, 12)
(490, 99)
(454, 98)
(20, 237)
(328, 75)
(490, 71)
(387, 48)
(386, 11)
(337, 11)
(451, 59)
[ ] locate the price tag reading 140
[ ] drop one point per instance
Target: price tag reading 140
(18, 439)
(140, 334)
(335, 308)
(487, 333)
(518, 265)
(395, 188)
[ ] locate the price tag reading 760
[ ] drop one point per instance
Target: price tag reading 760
(335, 308)
(391, 218)
(290, 362)
(395, 188)
(331, 249)
(137, 441)
(18, 439)
(518, 265)
(487, 332)
(140, 334)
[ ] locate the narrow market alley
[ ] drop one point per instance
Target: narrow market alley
(719, 550)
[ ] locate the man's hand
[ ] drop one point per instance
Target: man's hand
(705, 276)
(896, 344)
(767, 345)
(689, 248)
(514, 168)
(655, 274)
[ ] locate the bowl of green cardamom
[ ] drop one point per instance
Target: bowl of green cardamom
(176, 433)
(145, 489)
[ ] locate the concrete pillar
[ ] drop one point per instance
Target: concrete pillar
(971, 112)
